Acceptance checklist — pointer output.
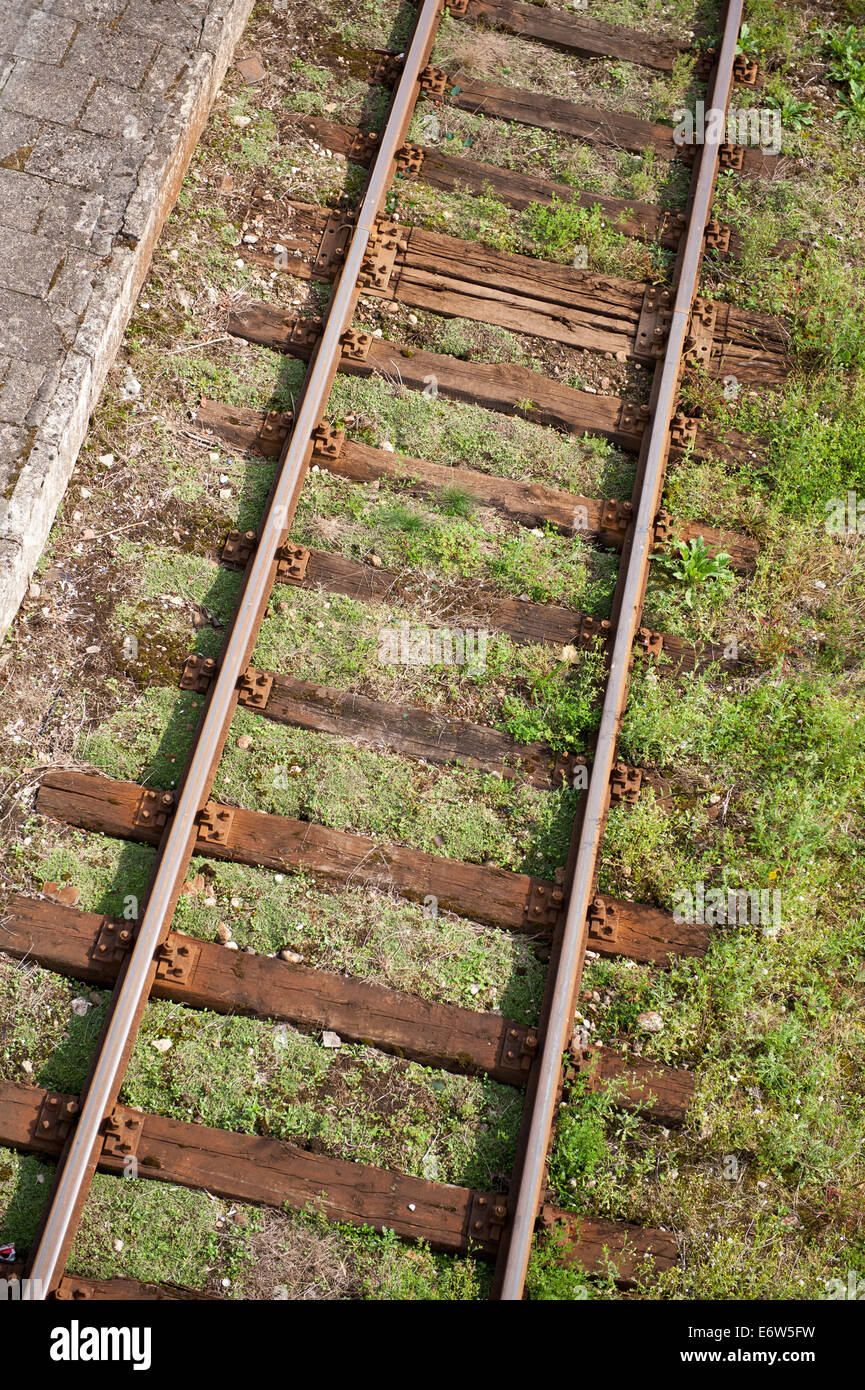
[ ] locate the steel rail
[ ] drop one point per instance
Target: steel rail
(80, 1157)
(574, 935)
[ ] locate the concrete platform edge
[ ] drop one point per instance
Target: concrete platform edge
(42, 482)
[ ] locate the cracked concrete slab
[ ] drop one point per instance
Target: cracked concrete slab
(101, 105)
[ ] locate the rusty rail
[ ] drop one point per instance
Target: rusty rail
(529, 1178)
(80, 1156)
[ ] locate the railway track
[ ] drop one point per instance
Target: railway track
(669, 329)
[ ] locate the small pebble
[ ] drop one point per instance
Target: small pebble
(131, 385)
(160, 1044)
(244, 741)
(650, 1022)
(329, 1039)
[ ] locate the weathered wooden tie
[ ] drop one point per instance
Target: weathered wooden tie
(77, 1288)
(466, 279)
(451, 173)
(575, 33)
(482, 612)
(502, 386)
(204, 975)
(594, 125)
(429, 735)
(272, 1172)
(496, 897)
(529, 504)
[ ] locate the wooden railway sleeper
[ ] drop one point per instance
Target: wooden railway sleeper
(255, 686)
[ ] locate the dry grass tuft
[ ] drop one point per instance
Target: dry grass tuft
(484, 54)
